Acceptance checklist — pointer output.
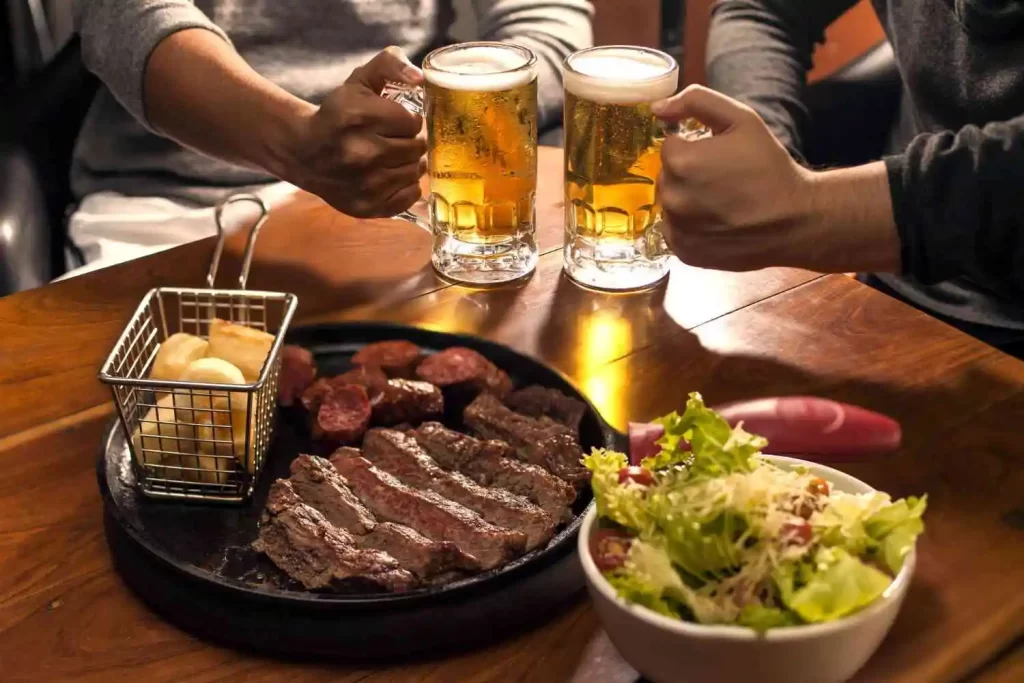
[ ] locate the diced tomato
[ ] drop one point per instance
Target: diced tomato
(818, 486)
(797, 533)
(609, 548)
(639, 475)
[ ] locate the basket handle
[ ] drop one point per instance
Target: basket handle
(254, 232)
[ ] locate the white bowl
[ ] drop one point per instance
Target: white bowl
(666, 650)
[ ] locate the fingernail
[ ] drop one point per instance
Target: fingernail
(412, 73)
(660, 107)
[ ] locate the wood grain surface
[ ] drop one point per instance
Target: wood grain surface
(66, 616)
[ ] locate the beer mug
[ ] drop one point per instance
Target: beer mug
(613, 238)
(480, 106)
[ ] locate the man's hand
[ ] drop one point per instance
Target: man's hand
(737, 200)
(359, 152)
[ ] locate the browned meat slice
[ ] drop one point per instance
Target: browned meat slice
(454, 450)
(536, 441)
(434, 516)
(417, 553)
(343, 416)
(463, 368)
(538, 401)
(486, 463)
(314, 394)
(402, 457)
(320, 486)
(304, 545)
(396, 357)
(369, 377)
(402, 400)
(297, 372)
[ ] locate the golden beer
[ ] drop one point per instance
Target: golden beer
(481, 113)
(612, 160)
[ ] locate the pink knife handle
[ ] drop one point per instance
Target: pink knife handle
(795, 425)
(807, 425)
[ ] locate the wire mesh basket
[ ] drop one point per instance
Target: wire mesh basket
(199, 440)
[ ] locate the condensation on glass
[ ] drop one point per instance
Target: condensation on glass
(613, 238)
(480, 105)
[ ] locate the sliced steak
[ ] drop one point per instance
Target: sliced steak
(417, 553)
(343, 416)
(466, 370)
(537, 441)
(298, 371)
(454, 450)
(401, 456)
(396, 357)
(485, 462)
(538, 401)
(402, 400)
(320, 486)
(304, 545)
(434, 516)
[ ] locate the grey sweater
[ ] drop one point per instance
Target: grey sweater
(308, 47)
(956, 169)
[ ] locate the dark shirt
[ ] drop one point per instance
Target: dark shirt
(956, 172)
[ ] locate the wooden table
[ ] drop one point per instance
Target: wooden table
(65, 615)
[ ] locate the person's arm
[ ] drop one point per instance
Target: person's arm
(950, 205)
(759, 52)
(958, 203)
(178, 74)
(553, 29)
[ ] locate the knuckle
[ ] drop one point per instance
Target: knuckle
(360, 154)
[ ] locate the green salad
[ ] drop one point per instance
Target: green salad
(708, 531)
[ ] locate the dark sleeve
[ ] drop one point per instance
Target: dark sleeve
(958, 201)
(759, 52)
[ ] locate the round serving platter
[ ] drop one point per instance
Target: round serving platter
(192, 562)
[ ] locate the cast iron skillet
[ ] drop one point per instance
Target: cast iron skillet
(192, 563)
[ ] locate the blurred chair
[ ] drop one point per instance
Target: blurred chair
(37, 136)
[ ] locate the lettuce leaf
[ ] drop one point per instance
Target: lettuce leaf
(896, 528)
(762, 618)
(702, 441)
(623, 504)
(839, 585)
(634, 589)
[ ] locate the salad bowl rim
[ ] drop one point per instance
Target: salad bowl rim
(833, 476)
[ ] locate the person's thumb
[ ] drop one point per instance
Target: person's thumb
(715, 110)
(390, 64)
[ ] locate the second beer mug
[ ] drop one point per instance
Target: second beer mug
(613, 143)
(480, 104)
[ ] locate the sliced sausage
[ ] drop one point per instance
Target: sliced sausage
(396, 357)
(464, 368)
(298, 371)
(405, 401)
(343, 416)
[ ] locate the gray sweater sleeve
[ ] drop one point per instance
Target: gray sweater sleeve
(553, 29)
(118, 36)
(759, 51)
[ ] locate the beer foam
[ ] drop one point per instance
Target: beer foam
(621, 75)
(481, 68)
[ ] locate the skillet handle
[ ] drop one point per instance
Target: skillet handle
(827, 430)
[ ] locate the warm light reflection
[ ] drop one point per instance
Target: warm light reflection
(603, 335)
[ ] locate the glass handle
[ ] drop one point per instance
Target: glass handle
(410, 97)
(690, 130)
